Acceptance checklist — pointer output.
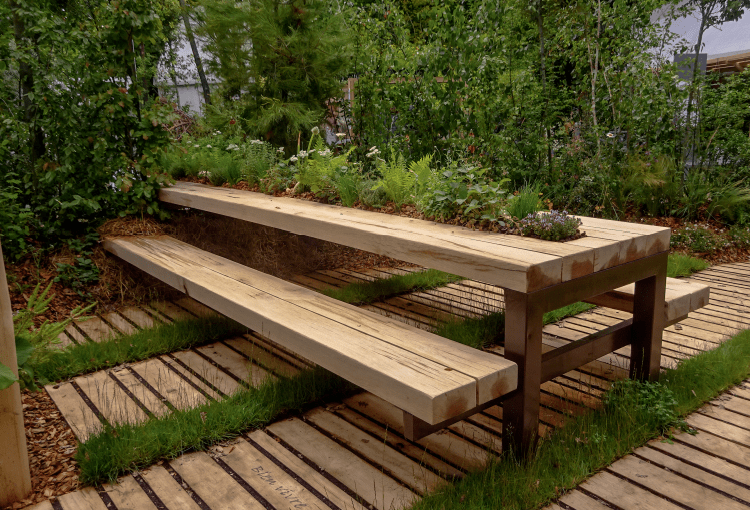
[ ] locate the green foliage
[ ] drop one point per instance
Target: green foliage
(119, 449)
(88, 357)
(377, 290)
(34, 344)
(524, 203)
(698, 239)
(651, 399)
(683, 265)
(397, 182)
(552, 226)
(79, 275)
(80, 132)
(325, 174)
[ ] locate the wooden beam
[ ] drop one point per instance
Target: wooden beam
(15, 477)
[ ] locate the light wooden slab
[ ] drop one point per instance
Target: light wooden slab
(186, 374)
(580, 501)
(141, 392)
(96, 329)
(274, 484)
(375, 487)
(79, 416)
(624, 494)
(213, 375)
(718, 446)
(128, 495)
(167, 489)
(523, 264)
(312, 476)
(138, 316)
(76, 335)
(675, 487)
(195, 307)
(171, 386)
(119, 322)
(719, 428)
(396, 464)
(431, 377)
(237, 364)
(275, 363)
(212, 483)
(44, 505)
(114, 404)
(171, 311)
(85, 499)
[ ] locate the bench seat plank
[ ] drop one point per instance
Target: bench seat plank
(426, 375)
(681, 298)
(514, 262)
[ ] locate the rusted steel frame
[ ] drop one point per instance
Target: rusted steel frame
(594, 346)
(523, 337)
(416, 428)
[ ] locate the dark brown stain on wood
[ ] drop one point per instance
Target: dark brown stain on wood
(537, 279)
(578, 269)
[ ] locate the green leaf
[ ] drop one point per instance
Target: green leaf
(7, 377)
(24, 349)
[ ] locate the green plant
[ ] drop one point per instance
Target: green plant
(554, 226)
(370, 194)
(397, 182)
(278, 178)
(524, 203)
(79, 275)
(698, 239)
(377, 290)
(739, 236)
(683, 265)
(33, 344)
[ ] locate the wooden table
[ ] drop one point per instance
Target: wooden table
(537, 276)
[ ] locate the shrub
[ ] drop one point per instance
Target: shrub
(698, 239)
(524, 203)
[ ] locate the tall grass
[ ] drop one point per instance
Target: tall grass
(90, 356)
(683, 265)
(376, 290)
(633, 414)
(524, 203)
(122, 448)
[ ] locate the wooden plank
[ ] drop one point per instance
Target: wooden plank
(381, 355)
(734, 404)
(311, 476)
(175, 389)
(269, 360)
(401, 238)
(705, 461)
(213, 375)
(577, 500)
(624, 495)
(76, 335)
(443, 444)
(726, 430)
(84, 499)
(64, 341)
(171, 310)
(96, 329)
(167, 489)
(418, 453)
(370, 483)
(394, 463)
(719, 413)
(677, 488)
(235, 363)
(212, 483)
(81, 419)
(128, 495)
(717, 446)
(195, 307)
(119, 323)
(187, 374)
(273, 483)
(141, 392)
(138, 317)
(114, 404)
(44, 505)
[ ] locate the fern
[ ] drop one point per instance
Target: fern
(397, 182)
(422, 170)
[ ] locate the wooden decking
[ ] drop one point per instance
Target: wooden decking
(352, 454)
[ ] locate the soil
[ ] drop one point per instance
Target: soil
(51, 446)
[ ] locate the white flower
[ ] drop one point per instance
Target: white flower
(315, 130)
(302, 154)
(340, 135)
(373, 148)
(293, 159)
(218, 132)
(610, 135)
(280, 150)
(208, 146)
(197, 146)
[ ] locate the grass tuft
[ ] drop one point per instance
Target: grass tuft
(632, 414)
(683, 265)
(123, 448)
(91, 356)
(364, 293)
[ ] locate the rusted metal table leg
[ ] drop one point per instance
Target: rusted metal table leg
(523, 346)
(648, 319)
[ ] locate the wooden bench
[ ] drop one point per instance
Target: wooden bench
(618, 264)
(429, 377)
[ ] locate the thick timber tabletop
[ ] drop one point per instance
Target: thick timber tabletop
(513, 262)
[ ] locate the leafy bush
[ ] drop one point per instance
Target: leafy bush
(652, 398)
(698, 239)
(370, 194)
(554, 226)
(79, 275)
(397, 182)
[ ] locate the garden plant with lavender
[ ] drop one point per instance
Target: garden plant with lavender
(552, 226)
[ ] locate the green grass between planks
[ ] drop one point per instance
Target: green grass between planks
(377, 290)
(633, 414)
(61, 364)
(122, 448)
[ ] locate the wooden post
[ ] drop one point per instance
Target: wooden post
(15, 477)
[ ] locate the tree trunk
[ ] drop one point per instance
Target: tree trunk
(196, 55)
